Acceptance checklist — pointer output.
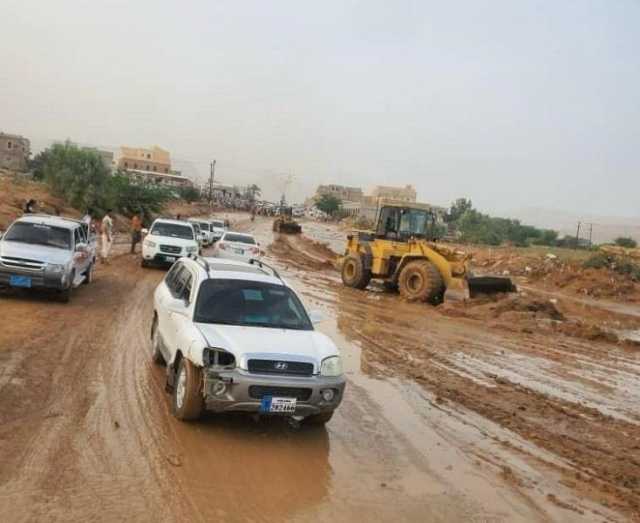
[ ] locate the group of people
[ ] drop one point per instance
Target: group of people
(106, 230)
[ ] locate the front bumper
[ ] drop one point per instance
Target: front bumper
(243, 391)
(39, 279)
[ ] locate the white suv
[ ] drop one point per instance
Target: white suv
(236, 337)
(167, 241)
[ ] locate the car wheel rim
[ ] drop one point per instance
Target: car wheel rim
(181, 388)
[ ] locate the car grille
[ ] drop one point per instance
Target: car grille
(172, 249)
(282, 368)
(22, 263)
(258, 391)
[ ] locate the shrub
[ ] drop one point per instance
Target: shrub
(629, 243)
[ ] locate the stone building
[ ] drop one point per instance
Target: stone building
(14, 151)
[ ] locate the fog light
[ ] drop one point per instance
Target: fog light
(218, 388)
(327, 395)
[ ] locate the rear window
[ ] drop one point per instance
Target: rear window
(39, 234)
(239, 238)
(220, 225)
(204, 226)
(172, 230)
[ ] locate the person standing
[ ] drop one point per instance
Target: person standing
(30, 207)
(136, 232)
(107, 235)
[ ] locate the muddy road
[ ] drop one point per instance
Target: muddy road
(445, 418)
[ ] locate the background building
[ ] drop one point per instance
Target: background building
(343, 192)
(401, 194)
(14, 152)
(150, 166)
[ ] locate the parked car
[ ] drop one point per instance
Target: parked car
(47, 252)
(235, 337)
(219, 227)
(237, 246)
(204, 228)
(168, 240)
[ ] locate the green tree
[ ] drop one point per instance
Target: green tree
(629, 243)
(189, 193)
(329, 204)
(252, 192)
(457, 209)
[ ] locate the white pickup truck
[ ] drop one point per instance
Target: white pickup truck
(47, 252)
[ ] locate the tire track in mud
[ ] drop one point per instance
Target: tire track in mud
(599, 454)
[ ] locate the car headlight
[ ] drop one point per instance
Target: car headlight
(54, 267)
(150, 244)
(192, 249)
(331, 366)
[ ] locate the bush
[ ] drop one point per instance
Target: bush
(629, 243)
(189, 194)
(617, 264)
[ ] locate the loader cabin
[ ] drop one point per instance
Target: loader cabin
(401, 222)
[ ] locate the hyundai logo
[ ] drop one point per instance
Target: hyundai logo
(281, 365)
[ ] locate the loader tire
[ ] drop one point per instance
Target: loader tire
(353, 272)
(420, 280)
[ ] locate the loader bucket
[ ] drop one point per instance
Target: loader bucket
(489, 285)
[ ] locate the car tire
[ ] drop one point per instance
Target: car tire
(319, 419)
(156, 353)
(187, 397)
(88, 277)
(65, 294)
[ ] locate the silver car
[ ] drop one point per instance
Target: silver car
(47, 252)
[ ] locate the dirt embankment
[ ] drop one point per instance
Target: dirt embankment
(302, 252)
(562, 270)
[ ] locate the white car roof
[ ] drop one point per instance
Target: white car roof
(56, 221)
(173, 222)
(246, 235)
(236, 270)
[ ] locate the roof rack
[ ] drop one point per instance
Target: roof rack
(199, 259)
(262, 265)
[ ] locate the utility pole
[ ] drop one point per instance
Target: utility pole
(212, 167)
(590, 233)
(578, 235)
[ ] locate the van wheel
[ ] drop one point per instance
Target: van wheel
(353, 272)
(187, 397)
(156, 354)
(319, 419)
(65, 294)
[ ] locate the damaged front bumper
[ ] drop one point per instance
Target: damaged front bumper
(239, 390)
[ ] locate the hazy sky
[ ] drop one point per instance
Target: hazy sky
(512, 103)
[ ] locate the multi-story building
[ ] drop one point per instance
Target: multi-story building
(401, 194)
(342, 192)
(14, 151)
(150, 166)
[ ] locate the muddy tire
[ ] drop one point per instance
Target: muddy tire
(319, 419)
(187, 397)
(156, 354)
(144, 264)
(353, 272)
(88, 277)
(65, 294)
(420, 280)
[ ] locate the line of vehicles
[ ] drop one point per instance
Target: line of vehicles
(232, 333)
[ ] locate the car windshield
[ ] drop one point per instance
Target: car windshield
(404, 222)
(173, 230)
(220, 225)
(250, 303)
(39, 234)
(239, 238)
(204, 226)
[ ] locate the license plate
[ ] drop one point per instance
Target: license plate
(239, 251)
(20, 281)
(170, 258)
(278, 405)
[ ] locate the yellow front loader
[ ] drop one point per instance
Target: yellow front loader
(402, 253)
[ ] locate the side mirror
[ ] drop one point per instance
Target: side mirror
(81, 247)
(145, 231)
(316, 317)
